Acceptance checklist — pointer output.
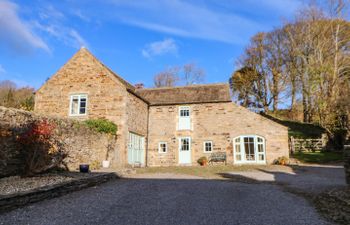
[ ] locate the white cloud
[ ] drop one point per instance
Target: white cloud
(15, 33)
(226, 21)
(53, 22)
(2, 70)
(79, 41)
(186, 19)
(49, 12)
(167, 46)
(78, 13)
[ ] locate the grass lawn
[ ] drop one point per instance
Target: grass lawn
(210, 171)
(299, 129)
(318, 157)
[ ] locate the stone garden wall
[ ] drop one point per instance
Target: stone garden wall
(83, 144)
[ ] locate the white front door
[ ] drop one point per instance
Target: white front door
(136, 149)
(185, 150)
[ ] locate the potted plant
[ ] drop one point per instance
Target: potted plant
(84, 168)
(281, 161)
(202, 161)
(106, 162)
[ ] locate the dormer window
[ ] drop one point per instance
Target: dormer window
(78, 105)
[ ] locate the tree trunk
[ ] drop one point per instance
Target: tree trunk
(293, 95)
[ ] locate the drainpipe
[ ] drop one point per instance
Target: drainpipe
(146, 150)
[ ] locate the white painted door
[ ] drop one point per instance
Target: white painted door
(185, 150)
(136, 149)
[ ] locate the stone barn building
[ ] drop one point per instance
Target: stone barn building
(161, 126)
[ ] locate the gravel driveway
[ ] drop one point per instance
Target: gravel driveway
(170, 201)
(312, 179)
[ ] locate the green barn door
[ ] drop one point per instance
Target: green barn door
(136, 149)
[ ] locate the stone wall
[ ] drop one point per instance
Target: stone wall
(84, 74)
(83, 145)
(137, 113)
(216, 122)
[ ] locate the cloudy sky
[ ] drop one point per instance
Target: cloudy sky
(136, 39)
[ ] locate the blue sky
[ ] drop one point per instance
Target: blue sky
(136, 39)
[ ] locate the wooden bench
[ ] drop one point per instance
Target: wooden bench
(217, 157)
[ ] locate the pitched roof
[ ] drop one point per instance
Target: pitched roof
(208, 93)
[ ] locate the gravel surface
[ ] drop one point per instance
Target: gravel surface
(10, 185)
(17, 184)
(312, 179)
(170, 201)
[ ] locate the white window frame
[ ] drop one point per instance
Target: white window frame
(204, 146)
(181, 118)
(80, 96)
(256, 152)
(160, 149)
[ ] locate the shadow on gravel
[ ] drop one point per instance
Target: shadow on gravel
(324, 187)
(170, 201)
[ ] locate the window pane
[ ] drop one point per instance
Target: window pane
(82, 111)
(163, 147)
(74, 106)
(185, 112)
(260, 148)
(185, 144)
(238, 148)
(249, 148)
(261, 157)
(238, 157)
(260, 140)
(238, 140)
(208, 146)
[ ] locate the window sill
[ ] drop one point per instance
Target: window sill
(80, 115)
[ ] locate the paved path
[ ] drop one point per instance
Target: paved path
(170, 201)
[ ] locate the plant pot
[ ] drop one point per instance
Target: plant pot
(105, 163)
(84, 168)
(204, 163)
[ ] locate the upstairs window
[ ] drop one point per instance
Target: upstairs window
(78, 105)
(162, 147)
(184, 118)
(208, 146)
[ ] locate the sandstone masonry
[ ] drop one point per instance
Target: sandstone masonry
(147, 117)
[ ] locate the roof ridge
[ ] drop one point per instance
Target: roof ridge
(184, 86)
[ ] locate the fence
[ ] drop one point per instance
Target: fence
(306, 145)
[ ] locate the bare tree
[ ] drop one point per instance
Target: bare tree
(187, 74)
(192, 74)
(167, 78)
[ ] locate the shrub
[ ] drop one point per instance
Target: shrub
(202, 160)
(281, 161)
(102, 126)
(41, 150)
(95, 165)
